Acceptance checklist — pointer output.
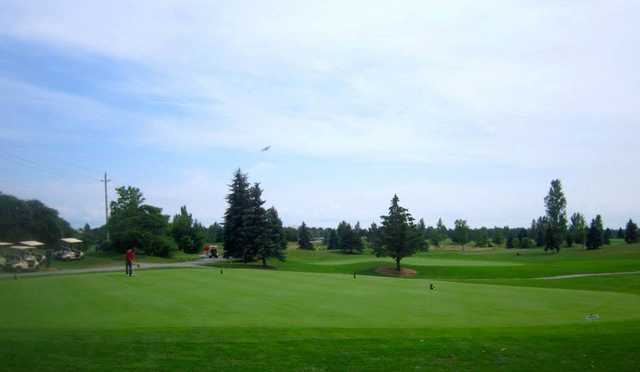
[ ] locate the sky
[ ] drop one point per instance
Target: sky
(465, 109)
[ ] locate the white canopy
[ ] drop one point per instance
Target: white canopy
(20, 247)
(5, 244)
(32, 243)
(71, 240)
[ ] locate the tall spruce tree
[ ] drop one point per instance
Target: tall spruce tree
(256, 229)
(399, 236)
(556, 217)
(235, 219)
(631, 232)
(304, 237)
(595, 234)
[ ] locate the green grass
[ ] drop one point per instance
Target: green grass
(309, 314)
(486, 264)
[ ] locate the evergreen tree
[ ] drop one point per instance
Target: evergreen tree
(595, 234)
(304, 238)
(556, 217)
(256, 230)
(606, 237)
(540, 231)
(276, 244)
(422, 230)
(215, 233)
(235, 219)
(356, 239)
(399, 235)
(631, 232)
(523, 239)
(374, 237)
(461, 233)
(333, 240)
(620, 234)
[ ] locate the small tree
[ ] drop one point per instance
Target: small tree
(356, 239)
(482, 239)
(461, 232)
(304, 237)
(498, 236)
(578, 229)
(440, 233)
(187, 232)
(510, 241)
(606, 237)
(332, 243)
(399, 235)
(374, 237)
(631, 232)
(595, 234)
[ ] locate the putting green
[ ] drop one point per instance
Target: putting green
(417, 261)
(262, 298)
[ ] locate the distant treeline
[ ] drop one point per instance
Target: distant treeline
(258, 232)
(30, 220)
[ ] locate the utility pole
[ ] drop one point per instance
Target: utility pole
(106, 204)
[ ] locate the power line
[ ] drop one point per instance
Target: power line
(106, 203)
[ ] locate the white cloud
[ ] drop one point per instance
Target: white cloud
(544, 86)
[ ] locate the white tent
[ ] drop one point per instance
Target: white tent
(71, 240)
(32, 243)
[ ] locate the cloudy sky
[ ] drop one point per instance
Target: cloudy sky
(465, 109)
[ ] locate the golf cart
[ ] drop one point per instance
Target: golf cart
(69, 250)
(23, 258)
(3, 247)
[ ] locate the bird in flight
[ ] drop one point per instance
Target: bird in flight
(266, 148)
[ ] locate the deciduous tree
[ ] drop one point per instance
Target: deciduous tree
(556, 217)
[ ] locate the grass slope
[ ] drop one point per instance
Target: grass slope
(486, 314)
(269, 320)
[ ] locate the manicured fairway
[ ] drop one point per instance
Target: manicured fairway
(310, 314)
(416, 261)
(262, 298)
(271, 320)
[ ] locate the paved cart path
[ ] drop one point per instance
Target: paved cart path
(114, 268)
(586, 275)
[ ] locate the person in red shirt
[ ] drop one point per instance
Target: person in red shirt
(130, 257)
